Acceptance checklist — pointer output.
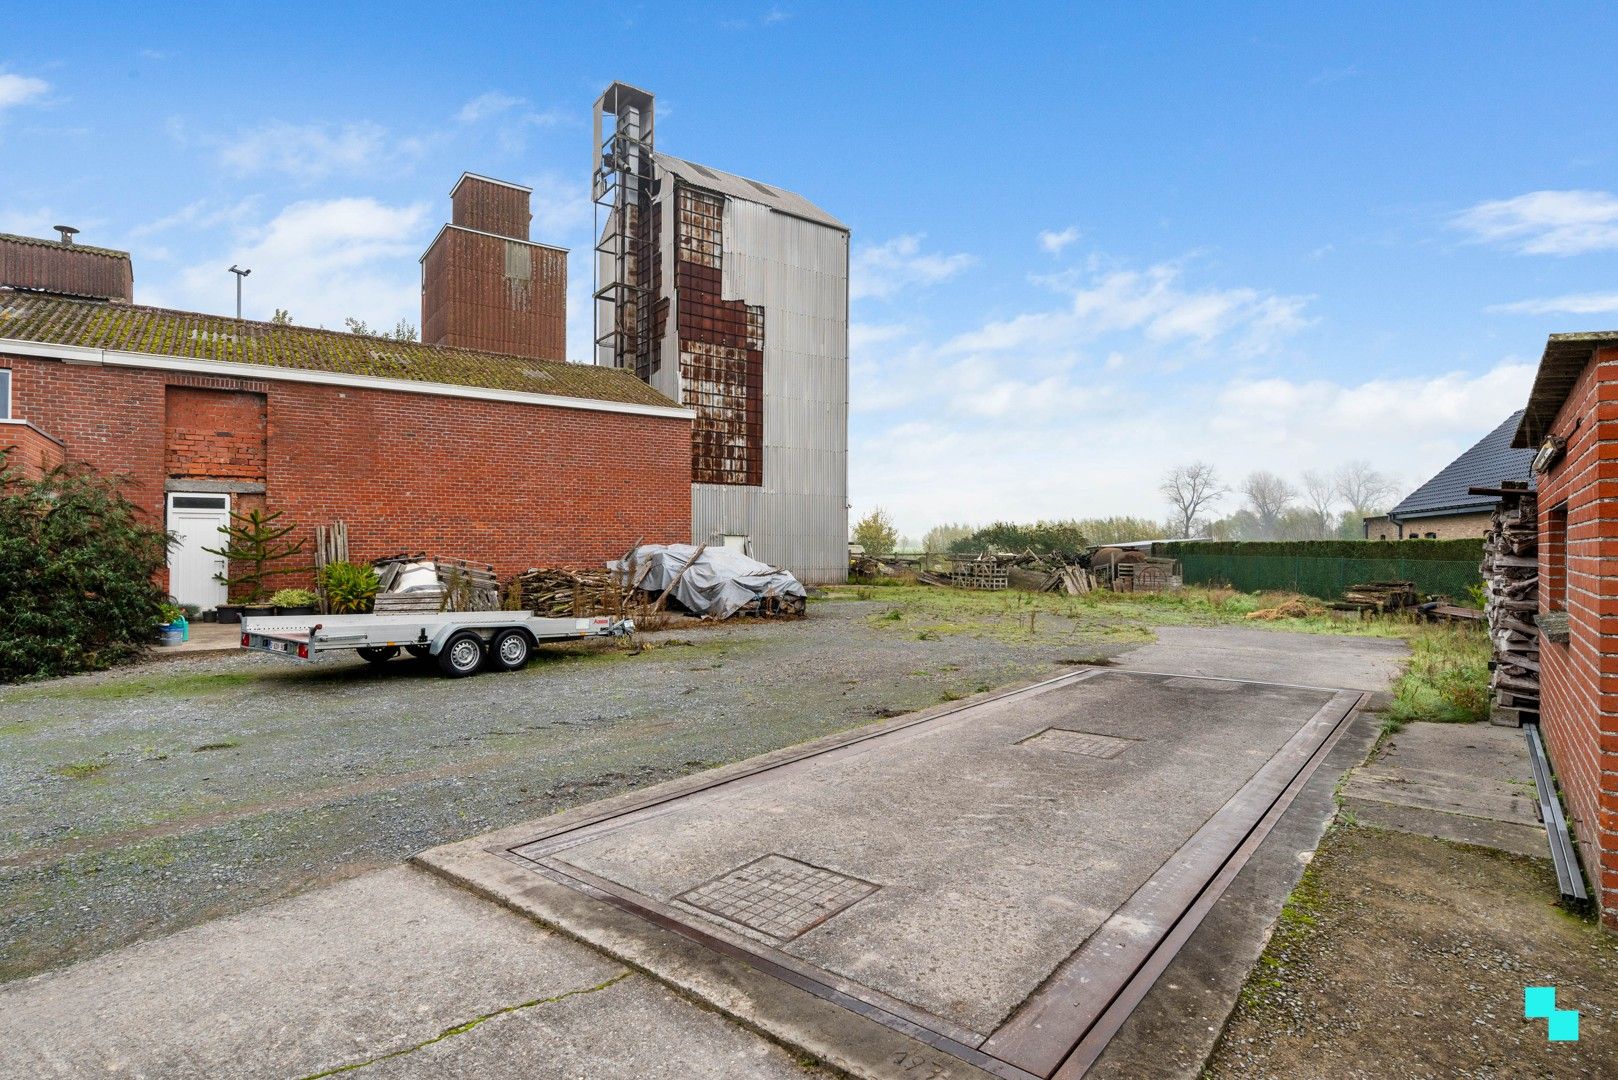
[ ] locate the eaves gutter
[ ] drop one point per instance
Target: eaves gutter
(80, 354)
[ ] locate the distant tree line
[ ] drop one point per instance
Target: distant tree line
(1322, 506)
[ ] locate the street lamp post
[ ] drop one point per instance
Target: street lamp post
(239, 275)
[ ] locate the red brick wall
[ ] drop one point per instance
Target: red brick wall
(500, 482)
(32, 453)
(217, 434)
(1579, 680)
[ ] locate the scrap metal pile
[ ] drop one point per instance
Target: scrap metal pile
(412, 583)
(1511, 583)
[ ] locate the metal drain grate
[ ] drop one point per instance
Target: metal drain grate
(1087, 743)
(778, 896)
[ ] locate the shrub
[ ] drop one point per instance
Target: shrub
(257, 541)
(1062, 539)
(350, 589)
(77, 569)
(294, 598)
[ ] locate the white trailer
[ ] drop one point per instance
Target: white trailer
(460, 641)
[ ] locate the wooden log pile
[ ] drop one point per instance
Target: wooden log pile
(1379, 596)
(1511, 583)
(551, 592)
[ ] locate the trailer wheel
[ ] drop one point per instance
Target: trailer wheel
(511, 650)
(461, 655)
(420, 652)
(378, 654)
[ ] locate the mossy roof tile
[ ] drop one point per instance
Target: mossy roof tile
(196, 336)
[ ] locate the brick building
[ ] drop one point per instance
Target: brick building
(1572, 417)
(513, 460)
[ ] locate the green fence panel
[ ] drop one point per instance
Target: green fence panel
(1326, 578)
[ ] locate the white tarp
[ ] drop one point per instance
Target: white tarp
(719, 584)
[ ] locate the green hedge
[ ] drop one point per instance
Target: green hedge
(1324, 568)
(1409, 550)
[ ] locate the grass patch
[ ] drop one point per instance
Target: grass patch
(81, 770)
(1447, 680)
(227, 744)
(126, 685)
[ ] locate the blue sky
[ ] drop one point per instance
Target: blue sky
(1090, 242)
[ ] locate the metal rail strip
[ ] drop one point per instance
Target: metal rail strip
(1566, 860)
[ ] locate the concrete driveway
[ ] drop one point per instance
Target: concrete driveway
(895, 901)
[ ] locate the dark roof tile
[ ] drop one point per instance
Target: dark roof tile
(1488, 463)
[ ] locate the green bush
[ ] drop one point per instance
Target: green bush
(350, 589)
(77, 570)
(1063, 539)
(294, 598)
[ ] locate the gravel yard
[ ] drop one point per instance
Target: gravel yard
(139, 801)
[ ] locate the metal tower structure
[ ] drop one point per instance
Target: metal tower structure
(622, 187)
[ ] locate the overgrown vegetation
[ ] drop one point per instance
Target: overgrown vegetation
(1061, 539)
(77, 572)
(875, 533)
(1447, 680)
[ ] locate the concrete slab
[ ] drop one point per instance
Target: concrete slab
(1240, 652)
(960, 858)
(1470, 783)
(379, 965)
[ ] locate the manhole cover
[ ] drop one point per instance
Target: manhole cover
(1086, 743)
(778, 896)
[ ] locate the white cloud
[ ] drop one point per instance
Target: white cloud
(321, 259)
(1056, 242)
(309, 151)
(1152, 302)
(201, 214)
(1571, 304)
(1094, 443)
(20, 89)
(1546, 222)
(881, 271)
(486, 105)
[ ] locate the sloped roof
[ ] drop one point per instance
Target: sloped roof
(1492, 460)
(1566, 356)
(740, 187)
(159, 331)
(34, 241)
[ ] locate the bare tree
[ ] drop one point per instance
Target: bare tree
(1268, 496)
(1190, 489)
(1321, 494)
(1365, 490)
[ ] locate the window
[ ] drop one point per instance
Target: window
(5, 394)
(200, 502)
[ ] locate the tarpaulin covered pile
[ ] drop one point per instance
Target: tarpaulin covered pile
(719, 583)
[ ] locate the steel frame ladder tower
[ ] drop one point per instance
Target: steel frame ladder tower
(622, 187)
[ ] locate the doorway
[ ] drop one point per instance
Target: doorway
(195, 521)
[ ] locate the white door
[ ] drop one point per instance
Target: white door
(196, 520)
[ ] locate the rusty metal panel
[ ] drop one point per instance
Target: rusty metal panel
(65, 269)
(486, 292)
(491, 206)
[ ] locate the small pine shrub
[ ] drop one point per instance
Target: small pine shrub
(77, 574)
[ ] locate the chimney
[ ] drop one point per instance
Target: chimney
(65, 268)
(485, 285)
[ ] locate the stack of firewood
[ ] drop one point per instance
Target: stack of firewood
(556, 593)
(1511, 583)
(1379, 596)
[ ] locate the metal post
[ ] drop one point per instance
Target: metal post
(239, 275)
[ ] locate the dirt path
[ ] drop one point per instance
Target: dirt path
(1405, 956)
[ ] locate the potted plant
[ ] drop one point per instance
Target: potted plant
(257, 543)
(349, 589)
(294, 602)
(173, 629)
